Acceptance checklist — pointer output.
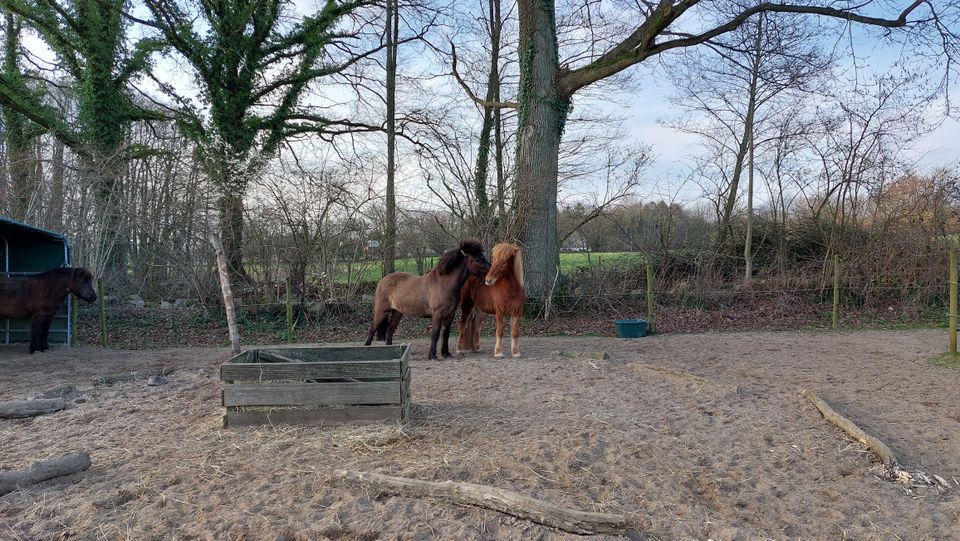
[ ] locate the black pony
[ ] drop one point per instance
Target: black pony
(40, 296)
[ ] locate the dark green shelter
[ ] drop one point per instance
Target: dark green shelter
(26, 250)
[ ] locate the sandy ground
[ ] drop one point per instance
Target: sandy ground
(692, 436)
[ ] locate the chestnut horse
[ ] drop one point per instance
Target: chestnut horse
(434, 295)
(40, 296)
(503, 294)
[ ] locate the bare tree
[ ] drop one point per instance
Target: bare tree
(735, 85)
(548, 85)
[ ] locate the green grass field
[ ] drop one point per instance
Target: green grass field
(569, 262)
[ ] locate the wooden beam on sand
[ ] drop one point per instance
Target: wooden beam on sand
(43, 470)
(498, 499)
(878, 448)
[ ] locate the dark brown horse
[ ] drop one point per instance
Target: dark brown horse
(40, 296)
(501, 293)
(434, 295)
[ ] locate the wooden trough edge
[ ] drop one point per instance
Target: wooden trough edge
(261, 372)
(312, 417)
(312, 394)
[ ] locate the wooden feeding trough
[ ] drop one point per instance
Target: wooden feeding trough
(317, 385)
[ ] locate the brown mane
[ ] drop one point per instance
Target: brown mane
(453, 257)
(503, 252)
(448, 261)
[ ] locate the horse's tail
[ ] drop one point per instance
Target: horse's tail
(469, 330)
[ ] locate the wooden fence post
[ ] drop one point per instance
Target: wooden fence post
(836, 287)
(953, 302)
(649, 296)
(103, 315)
(289, 314)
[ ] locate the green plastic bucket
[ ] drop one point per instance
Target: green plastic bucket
(630, 328)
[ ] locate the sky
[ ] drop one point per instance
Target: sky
(672, 148)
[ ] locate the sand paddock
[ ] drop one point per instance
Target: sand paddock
(691, 436)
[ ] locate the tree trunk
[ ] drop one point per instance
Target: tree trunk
(542, 114)
(231, 229)
(55, 203)
(724, 227)
(390, 228)
(20, 144)
(228, 305)
(501, 176)
(748, 241)
(484, 211)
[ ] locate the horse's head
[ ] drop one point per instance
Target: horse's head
(82, 284)
(477, 263)
(470, 253)
(506, 258)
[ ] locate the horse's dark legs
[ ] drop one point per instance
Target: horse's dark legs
(445, 349)
(39, 329)
(434, 336)
(378, 319)
(395, 318)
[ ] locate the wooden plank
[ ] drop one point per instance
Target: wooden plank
(363, 370)
(406, 398)
(327, 353)
(405, 384)
(340, 353)
(272, 356)
(243, 357)
(311, 394)
(314, 417)
(405, 357)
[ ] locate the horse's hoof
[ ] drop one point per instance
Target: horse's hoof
(477, 350)
(498, 355)
(516, 355)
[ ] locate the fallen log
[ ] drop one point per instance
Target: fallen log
(43, 470)
(498, 499)
(873, 444)
(15, 409)
(677, 374)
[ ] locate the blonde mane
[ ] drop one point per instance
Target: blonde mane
(505, 251)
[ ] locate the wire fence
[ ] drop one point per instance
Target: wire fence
(837, 300)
